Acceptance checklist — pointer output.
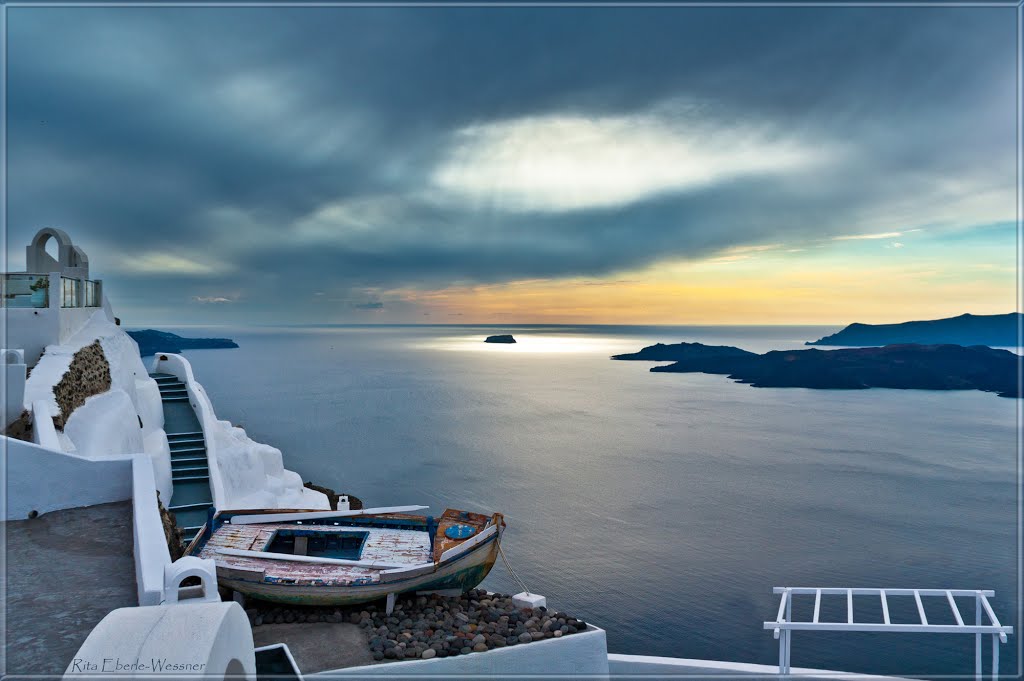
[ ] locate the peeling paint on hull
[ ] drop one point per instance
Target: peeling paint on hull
(463, 573)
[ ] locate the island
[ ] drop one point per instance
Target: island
(151, 342)
(660, 352)
(505, 338)
(999, 330)
(905, 366)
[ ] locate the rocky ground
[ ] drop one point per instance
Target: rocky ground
(422, 627)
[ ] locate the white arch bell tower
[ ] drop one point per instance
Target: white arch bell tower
(71, 260)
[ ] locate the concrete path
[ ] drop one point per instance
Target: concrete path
(65, 571)
(318, 646)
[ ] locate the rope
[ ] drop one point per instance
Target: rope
(510, 570)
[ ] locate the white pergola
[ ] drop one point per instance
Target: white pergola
(784, 625)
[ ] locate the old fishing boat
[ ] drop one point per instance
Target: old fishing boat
(348, 557)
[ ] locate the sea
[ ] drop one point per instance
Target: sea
(661, 507)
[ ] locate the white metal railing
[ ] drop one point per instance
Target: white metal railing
(784, 625)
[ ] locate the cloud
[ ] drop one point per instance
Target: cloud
(348, 150)
(215, 300)
(369, 306)
(166, 264)
(883, 235)
(559, 162)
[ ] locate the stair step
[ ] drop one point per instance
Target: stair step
(185, 436)
(192, 478)
(158, 375)
(191, 493)
(175, 399)
(173, 391)
(188, 463)
(188, 450)
(189, 507)
(188, 454)
(198, 469)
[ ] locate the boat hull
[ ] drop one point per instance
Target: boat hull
(463, 572)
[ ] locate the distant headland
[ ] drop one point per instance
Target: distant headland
(909, 366)
(151, 342)
(504, 338)
(968, 329)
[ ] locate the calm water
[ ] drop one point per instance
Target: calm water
(662, 507)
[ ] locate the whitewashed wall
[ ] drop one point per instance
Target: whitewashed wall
(582, 654)
(243, 473)
(661, 667)
(151, 553)
(42, 480)
(30, 329)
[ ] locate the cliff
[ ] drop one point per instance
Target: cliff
(994, 330)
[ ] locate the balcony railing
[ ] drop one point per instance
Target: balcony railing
(784, 624)
(26, 290)
(33, 291)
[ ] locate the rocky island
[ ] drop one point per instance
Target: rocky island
(968, 329)
(151, 342)
(504, 338)
(908, 366)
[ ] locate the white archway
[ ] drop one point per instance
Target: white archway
(71, 261)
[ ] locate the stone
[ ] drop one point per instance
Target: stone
(480, 648)
(428, 653)
(479, 638)
(525, 638)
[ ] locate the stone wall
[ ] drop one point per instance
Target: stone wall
(88, 375)
(172, 533)
(21, 428)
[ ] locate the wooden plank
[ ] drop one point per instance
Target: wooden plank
(266, 555)
(782, 606)
(260, 518)
(956, 610)
(920, 607)
(863, 626)
(839, 591)
(236, 572)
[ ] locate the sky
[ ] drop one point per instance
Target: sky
(671, 165)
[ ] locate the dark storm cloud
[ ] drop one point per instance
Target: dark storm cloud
(250, 154)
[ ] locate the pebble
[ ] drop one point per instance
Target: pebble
(426, 627)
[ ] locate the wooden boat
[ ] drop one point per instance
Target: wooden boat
(348, 557)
